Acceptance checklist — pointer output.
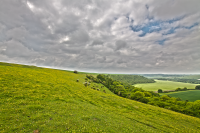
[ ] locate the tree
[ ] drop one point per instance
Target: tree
(160, 91)
(178, 89)
(164, 98)
(137, 95)
(197, 87)
(148, 94)
(185, 88)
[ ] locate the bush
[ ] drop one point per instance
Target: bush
(144, 100)
(185, 88)
(75, 71)
(137, 95)
(197, 87)
(178, 89)
(160, 91)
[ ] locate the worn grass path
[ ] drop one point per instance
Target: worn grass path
(51, 100)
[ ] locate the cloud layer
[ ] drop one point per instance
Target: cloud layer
(114, 36)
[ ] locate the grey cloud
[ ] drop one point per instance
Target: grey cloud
(97, 42)
(120, 44)
(96, 35)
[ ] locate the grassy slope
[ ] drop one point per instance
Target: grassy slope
(191, 95)
(165, 85)
(52, 101)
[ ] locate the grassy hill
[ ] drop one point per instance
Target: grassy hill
(165, 85)
(51, 100)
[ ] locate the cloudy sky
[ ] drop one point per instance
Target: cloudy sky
(111, 36)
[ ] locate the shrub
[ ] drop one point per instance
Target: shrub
(178, 89)
(185, 88)
(164, 98)
(148, 94)
(75, 71)
(144, 100)
(137, 95)
(160, 91)
(197, 87)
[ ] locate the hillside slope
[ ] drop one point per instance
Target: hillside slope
(51, 100)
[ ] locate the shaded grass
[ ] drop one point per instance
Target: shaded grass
(191, 95)
(165, 85)
(51, 100)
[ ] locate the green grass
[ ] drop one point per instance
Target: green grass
(51, 100)
(191, 95)
(165, 85)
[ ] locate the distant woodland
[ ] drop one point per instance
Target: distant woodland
(131, 79)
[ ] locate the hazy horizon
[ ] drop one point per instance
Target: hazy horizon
(122, 37)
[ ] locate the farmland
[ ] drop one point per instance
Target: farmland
(49, 100)
(191, 95)
(164, 85)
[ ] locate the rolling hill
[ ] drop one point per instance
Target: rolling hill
(50, 100)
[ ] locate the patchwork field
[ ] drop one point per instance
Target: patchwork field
(165, 85)
(49, 100)
(191, 95)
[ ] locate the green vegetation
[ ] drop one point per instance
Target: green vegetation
(193, 81)
(175, 77)
(148, 97)
(131, 79)
(50, 100)
(197, 87)
(197, 76)
(190, 95)
(165, 85)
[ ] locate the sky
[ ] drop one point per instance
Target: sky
(104, 36)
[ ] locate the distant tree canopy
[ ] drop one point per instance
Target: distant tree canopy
(193, 81)
(160, 91)
(131, 79)
(197, 87)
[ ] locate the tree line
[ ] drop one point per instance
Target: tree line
(126, 90)
(131, 79)
(193, 81)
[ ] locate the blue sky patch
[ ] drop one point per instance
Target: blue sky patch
(161, 42)
(155, 26)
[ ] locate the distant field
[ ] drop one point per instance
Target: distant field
(191, 95)
(165, 85)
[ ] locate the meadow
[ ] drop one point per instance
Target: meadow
(165, 85)
(49, 100)
(190, 95)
